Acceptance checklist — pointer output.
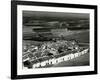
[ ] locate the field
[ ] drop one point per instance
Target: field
(80, 36)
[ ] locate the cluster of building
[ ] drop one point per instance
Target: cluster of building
(49, 53)
(45, 61)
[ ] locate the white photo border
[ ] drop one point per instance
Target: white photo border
(21, 71)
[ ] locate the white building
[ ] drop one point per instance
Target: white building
(59, 59)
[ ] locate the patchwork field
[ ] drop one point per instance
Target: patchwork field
(82, 37)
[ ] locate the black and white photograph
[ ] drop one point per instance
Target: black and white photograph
(53, 39)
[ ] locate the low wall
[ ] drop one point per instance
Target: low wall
(60, 59)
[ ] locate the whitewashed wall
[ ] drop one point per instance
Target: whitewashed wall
(60, 59)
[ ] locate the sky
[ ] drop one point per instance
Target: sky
(55, 15)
